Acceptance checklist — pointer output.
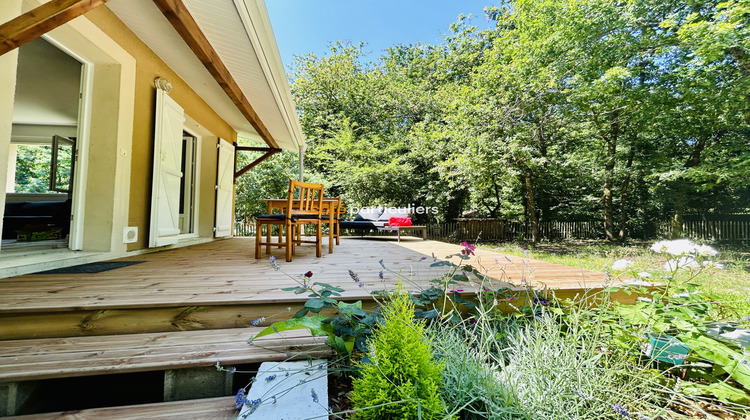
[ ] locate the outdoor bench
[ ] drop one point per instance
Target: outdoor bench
(369, 218)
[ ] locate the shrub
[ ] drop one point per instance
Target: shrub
(542, 367)
(400, 381)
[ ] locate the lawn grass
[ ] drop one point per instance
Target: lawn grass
(730, 285)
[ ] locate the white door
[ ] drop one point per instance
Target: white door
(224, 190)
(165, 189)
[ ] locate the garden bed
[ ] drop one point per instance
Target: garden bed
(676, 353)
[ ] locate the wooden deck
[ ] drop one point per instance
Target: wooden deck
(221, 285)
(220, 408)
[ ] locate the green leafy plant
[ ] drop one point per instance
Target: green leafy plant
(401, 380)
(680, 313)
(348, 329)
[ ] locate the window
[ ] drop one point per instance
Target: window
(45, 168)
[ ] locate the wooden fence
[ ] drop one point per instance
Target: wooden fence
(474, 230)
(727, 227)
(482, 229)
(242, 228)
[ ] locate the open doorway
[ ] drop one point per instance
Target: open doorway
(189, 186)
(40, 185)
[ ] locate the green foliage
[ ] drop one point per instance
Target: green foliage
(269, 179)
(32, 168)
(401, 381)
(719, 366)
(628, 112)
(539, 367)
(313, 323)
(350, 328)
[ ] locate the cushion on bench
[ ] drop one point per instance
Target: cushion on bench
(368, 214)
(361, 224)
(393, 212)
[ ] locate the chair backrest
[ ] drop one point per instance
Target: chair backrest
(339, 209)
(335, 207)
(309, 198)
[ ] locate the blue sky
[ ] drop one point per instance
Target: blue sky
(303, 26)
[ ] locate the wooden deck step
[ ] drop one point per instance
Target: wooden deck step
(220, 285)
(35, 359)
(207, 408)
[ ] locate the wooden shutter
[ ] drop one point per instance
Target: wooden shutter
(165, 188)
(224, 190)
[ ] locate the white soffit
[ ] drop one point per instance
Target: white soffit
(222, 25)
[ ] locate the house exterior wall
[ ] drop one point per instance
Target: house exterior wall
(120, 128)
(148, 67)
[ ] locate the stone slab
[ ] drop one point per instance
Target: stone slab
(288, 391)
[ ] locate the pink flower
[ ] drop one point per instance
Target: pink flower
(468, 248)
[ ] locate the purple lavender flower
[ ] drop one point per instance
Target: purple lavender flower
(273, 263)
(240, 398)
(270, 378)
(622, 411)
(380, 275)
(258, 321)
(314, 396)
(540, 301)
(355, 277)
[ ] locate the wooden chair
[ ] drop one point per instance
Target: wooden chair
(337, 211)
(304, 206)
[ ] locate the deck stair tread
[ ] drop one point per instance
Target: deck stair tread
(45, 358)
(206, 409)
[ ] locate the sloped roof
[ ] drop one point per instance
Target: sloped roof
(240, 32)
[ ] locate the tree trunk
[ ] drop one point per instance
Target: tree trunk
(625, 189)
(530, 206)
(682, 188)
(609, 181)
(676, 223)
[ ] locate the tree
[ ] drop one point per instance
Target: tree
(630, 112)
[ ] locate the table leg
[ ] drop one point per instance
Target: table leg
(330, 234)
(424, 234)
(269, 230)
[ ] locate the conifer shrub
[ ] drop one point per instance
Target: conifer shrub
(401, 380)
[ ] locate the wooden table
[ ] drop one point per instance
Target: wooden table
(328, 208)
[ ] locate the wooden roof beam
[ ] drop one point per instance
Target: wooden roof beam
(37, 22)
(269, 151)
(181, 19)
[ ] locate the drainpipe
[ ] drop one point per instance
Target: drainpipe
(302, 149)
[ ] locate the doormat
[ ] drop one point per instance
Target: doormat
(95, 267)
